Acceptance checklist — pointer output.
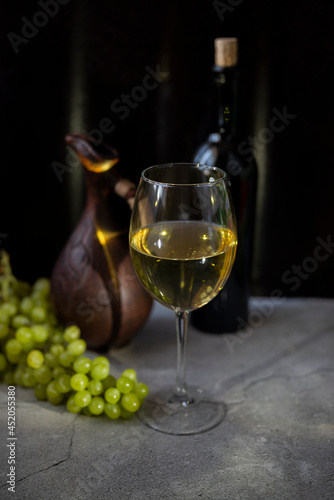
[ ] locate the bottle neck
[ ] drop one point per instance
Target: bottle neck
(223, 120)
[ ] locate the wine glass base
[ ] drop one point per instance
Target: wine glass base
(202, 414)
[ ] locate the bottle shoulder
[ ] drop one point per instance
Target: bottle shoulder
(228, 153)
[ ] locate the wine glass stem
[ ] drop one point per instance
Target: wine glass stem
(181, 391)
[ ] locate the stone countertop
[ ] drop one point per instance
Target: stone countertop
(276, 441)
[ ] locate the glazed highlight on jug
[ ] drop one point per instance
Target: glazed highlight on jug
(93, 283)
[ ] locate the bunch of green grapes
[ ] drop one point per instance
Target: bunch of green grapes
(36, 352)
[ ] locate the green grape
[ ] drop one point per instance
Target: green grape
(40, 301)
(124, 385)
(66, 359)
(96, 406)
(22, 358)
(28, 346)
(56, 401)
(71, 333)
(14, 299)
(43, 375)
(95, 387)
(13, 346)
(58, 371)
(131, 374)
(52, 390)
(40, 346)
(86, 411)
(109, 381)
(51, 360)
(58, 339)
(38, 314)
(112, 395)
(18, 376)
(54, 396)
(14, 359)
(125, 413)
(99, 371)
(71, 406)
(28, 378)
(141, 390)
(130, 402)
(101, 359)
(77, 347)
(24, 335)
(57, 349)
(64, 383)
(40, 333)
(112, 411)
(19, 320)
(8, 378)
(79, 381)
(41, 354)
(51, 319)
(42, 286)
(10, 307)
(21, 288)
(82, 365)
(4, 316)
(3, 362)
(82, 398)
(40, 391)
(4, 331)
(26, 305)
(35, 358)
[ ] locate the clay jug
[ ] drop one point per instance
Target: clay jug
(93, 283)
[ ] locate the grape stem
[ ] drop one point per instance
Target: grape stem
(6, 275)
(181, 393)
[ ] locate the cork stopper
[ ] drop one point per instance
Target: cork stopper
(226, 52)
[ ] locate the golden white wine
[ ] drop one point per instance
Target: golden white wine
(183, 265)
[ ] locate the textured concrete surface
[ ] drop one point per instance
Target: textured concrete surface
(276, 442)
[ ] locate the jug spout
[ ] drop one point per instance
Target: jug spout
(95, 156)
(93, 283)
(99, 157)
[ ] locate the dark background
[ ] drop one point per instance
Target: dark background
(67, 75)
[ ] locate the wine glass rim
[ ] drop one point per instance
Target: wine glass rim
(202, 166)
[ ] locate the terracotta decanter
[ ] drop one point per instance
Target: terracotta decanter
(93, 283)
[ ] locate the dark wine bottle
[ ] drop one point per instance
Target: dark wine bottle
(228, 311)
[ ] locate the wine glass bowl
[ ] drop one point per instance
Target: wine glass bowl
(182, 244)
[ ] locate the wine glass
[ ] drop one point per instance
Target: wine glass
(183, 240)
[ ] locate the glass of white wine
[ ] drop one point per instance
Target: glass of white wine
(183, 240)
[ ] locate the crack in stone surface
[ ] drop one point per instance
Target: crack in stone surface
(244, 390)
(287, 377)
(57, 463)
(230, 383)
